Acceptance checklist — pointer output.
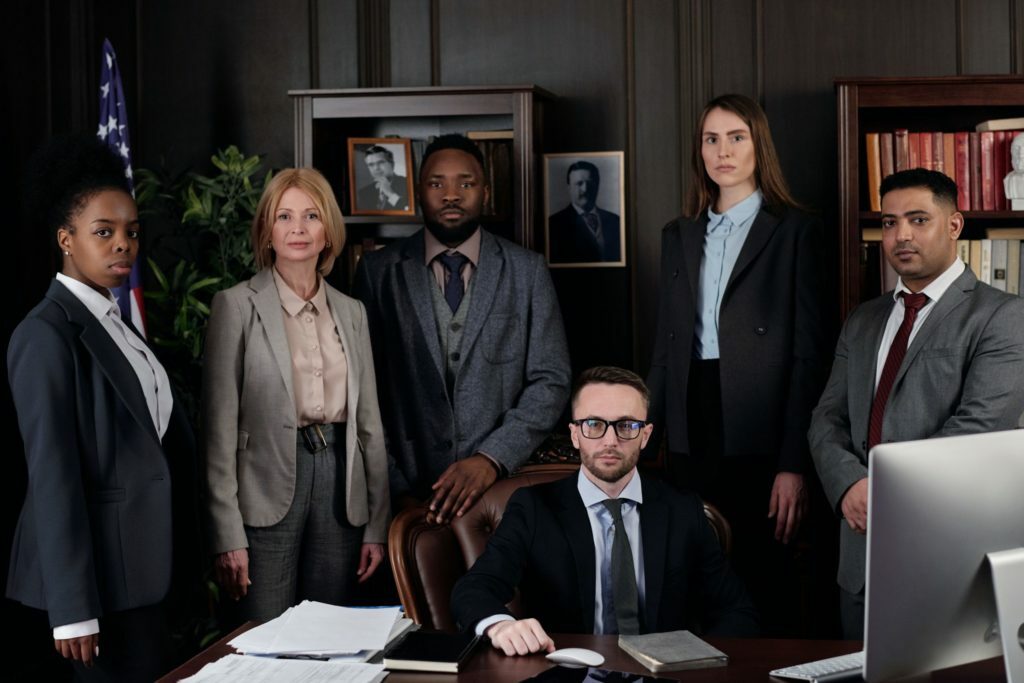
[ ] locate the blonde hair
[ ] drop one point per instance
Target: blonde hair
(313, 183)
(703, 192)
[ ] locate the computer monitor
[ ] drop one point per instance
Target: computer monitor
(935, 508)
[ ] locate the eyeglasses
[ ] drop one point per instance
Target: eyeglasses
(595, 427)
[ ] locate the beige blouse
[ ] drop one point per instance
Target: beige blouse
(319, 367)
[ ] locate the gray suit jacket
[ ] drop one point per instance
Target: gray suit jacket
(513, 379)
(963, 374)
(249, 416)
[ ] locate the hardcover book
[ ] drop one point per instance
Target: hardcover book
(430, 651)
(672, 651)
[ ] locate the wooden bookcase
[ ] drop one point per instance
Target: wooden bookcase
(953, 103)
(325, 119)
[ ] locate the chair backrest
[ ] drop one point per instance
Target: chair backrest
(427, 560)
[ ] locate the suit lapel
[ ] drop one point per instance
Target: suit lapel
(267, 303)
(760, 232)
(954, 295)
(347, 333)
(485, 286)
(692, 237)
(863, 360)
(108, 356)
(574, 521)
(414, 280)
(654, 517)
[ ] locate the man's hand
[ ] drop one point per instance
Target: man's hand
(459, 487)
(788, 504)
(370, 557)
(855, 506)
(383, 184)
(520, 637)
(232, 572)
(82, 648)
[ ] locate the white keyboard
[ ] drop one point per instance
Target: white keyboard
(841, 668)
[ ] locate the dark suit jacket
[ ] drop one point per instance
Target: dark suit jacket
(94, 534)
(544, 547)
(963, 374)
(369, 195)
(513, 377)
(772, 338)
(571, 241)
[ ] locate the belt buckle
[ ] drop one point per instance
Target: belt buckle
(314, 438)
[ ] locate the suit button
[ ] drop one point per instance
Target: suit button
(672, 335)
(864, 445)
(455, 327)
(456, 356)
(761, 330)
(675, 273)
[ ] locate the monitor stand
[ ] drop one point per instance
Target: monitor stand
(1008, 585)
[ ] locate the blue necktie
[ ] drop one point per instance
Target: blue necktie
(453, 286)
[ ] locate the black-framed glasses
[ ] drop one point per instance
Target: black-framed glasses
(595, 427)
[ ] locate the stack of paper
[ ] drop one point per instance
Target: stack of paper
(241, 669)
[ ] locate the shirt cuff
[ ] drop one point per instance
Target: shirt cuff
(76, 630)
(494, 462)
(484, 624)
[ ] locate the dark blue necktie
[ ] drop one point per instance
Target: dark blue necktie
(453, 287)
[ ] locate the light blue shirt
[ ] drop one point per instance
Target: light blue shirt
(603, 530)
(723, 240)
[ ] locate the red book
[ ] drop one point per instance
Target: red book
(938, 153)
(975, 142)
(925, 158)
(902, 145)
(1001, 154)
(885, 153)
(988, 171)
(963, 170)
(874, 171)
(914, 145)
(949, 154)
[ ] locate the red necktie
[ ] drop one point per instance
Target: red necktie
(912, 303)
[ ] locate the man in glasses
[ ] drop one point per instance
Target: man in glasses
(607, 551)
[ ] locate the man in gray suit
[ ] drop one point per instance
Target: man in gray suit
(941, 355)
(472, 365)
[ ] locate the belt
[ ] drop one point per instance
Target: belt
(317, 437)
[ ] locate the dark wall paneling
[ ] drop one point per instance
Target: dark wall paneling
(735, 47)
(577, 51)
(337, 45)
(410, 42)
(1017, 36)
(657, 195)
(374, 21)
(985, 43)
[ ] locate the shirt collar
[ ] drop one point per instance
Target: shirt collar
(937, 287)
(470, 248)
(583, 212)
(98, 304)
(740, 213)
(592, 495)
(292, 303)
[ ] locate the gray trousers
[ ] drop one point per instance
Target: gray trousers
(313, 552)
(851, 614)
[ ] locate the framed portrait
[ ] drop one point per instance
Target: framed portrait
(584, 196)
(380, 177)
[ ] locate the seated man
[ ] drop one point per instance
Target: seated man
(607, 551)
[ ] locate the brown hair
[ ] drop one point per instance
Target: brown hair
(703, 192)
(608, 374)
(319, 190)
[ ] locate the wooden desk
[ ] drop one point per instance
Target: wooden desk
(749, 660)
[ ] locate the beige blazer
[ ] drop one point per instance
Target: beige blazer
(249, 420)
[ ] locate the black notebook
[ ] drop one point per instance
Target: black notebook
(430, 651)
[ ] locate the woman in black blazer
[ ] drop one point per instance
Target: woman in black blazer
(93, 543)
(739, 351)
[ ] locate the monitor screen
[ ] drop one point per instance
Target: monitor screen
(935, 508)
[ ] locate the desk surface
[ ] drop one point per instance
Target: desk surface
(749, 660)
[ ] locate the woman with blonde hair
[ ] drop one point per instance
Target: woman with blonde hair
(296, 473)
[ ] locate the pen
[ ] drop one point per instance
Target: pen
(315, 658)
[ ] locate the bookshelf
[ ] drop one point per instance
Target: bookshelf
(950, 103)
(507, 116)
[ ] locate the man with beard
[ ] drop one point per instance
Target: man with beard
(606, 551)
(470, 352)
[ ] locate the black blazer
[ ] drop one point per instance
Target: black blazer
(571, 241)
(772, 337)
(95, 531)
(544, 547)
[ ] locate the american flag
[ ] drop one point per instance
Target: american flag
(114, 131)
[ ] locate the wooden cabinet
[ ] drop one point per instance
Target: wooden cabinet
(955, 103)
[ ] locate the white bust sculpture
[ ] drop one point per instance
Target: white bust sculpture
(1013, 183)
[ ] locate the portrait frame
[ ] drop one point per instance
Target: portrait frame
(361, 183)
(566, 242)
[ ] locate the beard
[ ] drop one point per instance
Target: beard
(453, 235)
(627, 461)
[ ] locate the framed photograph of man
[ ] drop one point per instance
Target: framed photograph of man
(380, 177)
(584, 194)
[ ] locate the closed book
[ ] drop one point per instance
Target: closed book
(938, 153)
(430, 651)
(874, 171)
(988, 188)
(925, 158)
(949, 155)
(963, 250)
(914, 150)
(999, 263)
(1001, 124)
(1013, 267)
(885, 154)
(1020, 282)
(902, 145)
(975, 143)
(963, 171)
(975, 262)
(986, 262)
(672, 651)
(1001, 162)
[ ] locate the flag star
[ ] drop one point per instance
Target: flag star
(128, 172)
(110, 60)
(111, 123)
(123, 149)
(102, 132)
(104, 89)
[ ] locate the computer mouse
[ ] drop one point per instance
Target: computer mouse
(576, 657)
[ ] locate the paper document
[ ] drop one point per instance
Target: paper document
(318, 628)
(262, 670)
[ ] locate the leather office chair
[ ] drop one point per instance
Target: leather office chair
(428, 560)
